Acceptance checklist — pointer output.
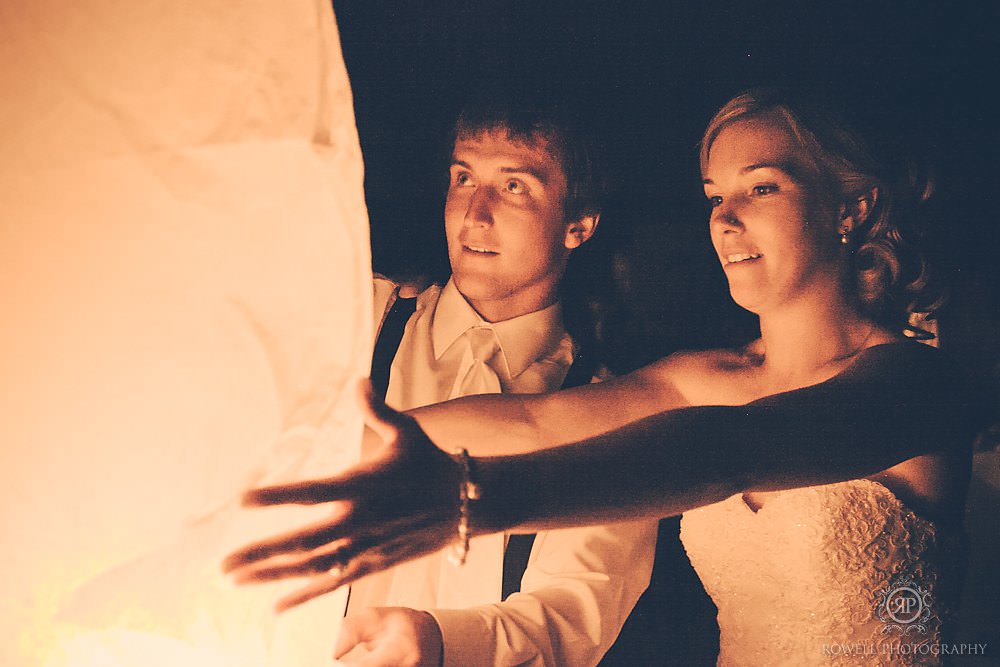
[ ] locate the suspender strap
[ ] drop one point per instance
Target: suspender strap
(387, 343)
(580, 373)
(515, 562)
(515, 556)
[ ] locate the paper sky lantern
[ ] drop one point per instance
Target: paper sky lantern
(185, 278)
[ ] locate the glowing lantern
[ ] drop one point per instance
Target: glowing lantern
(184, 270)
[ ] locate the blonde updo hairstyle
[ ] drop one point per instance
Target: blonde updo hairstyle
(887, 273)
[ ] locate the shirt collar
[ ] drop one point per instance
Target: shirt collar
(523, 340)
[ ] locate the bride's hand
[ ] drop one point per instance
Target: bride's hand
(402, 503)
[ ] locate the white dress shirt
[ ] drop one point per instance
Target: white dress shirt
(580, 583)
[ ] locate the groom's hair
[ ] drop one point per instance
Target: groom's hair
(528, 116)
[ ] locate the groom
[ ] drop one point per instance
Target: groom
(523, 195)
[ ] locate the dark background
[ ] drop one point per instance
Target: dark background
(921, 75)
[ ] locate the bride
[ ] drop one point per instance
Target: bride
(821, 469)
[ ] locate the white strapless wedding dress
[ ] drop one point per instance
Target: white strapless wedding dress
(840, 574)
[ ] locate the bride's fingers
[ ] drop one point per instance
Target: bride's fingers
(366, 562)
(344, 486)
(320, 546)
(365, 526)
(300, 541)
(311, 565)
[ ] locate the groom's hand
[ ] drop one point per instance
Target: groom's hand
(389, 637)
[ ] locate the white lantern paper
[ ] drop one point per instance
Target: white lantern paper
(185, 281)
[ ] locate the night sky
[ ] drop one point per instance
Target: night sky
(921, 74)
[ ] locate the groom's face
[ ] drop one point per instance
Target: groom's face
(508, 236)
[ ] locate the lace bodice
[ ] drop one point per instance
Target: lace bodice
(841, 574)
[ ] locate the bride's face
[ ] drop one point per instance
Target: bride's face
(776, 244)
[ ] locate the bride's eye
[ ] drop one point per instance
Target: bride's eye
(714, 202)
(765, 189)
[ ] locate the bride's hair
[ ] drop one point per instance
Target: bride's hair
(889, 273)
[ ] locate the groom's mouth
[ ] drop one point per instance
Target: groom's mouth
(481, 251)
(742, 257)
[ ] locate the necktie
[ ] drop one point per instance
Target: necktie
(482, 573)
(480, 378)
(475, 373)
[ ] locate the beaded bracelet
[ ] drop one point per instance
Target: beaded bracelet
(468, 490)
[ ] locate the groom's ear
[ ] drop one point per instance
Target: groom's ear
(579, 231)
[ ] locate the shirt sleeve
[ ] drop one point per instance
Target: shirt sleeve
(579, 587)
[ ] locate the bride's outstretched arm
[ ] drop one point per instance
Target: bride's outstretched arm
(896, 402)
(506, 424)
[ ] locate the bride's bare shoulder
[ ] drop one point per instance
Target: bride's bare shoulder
(708, 376)
(718, 361)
